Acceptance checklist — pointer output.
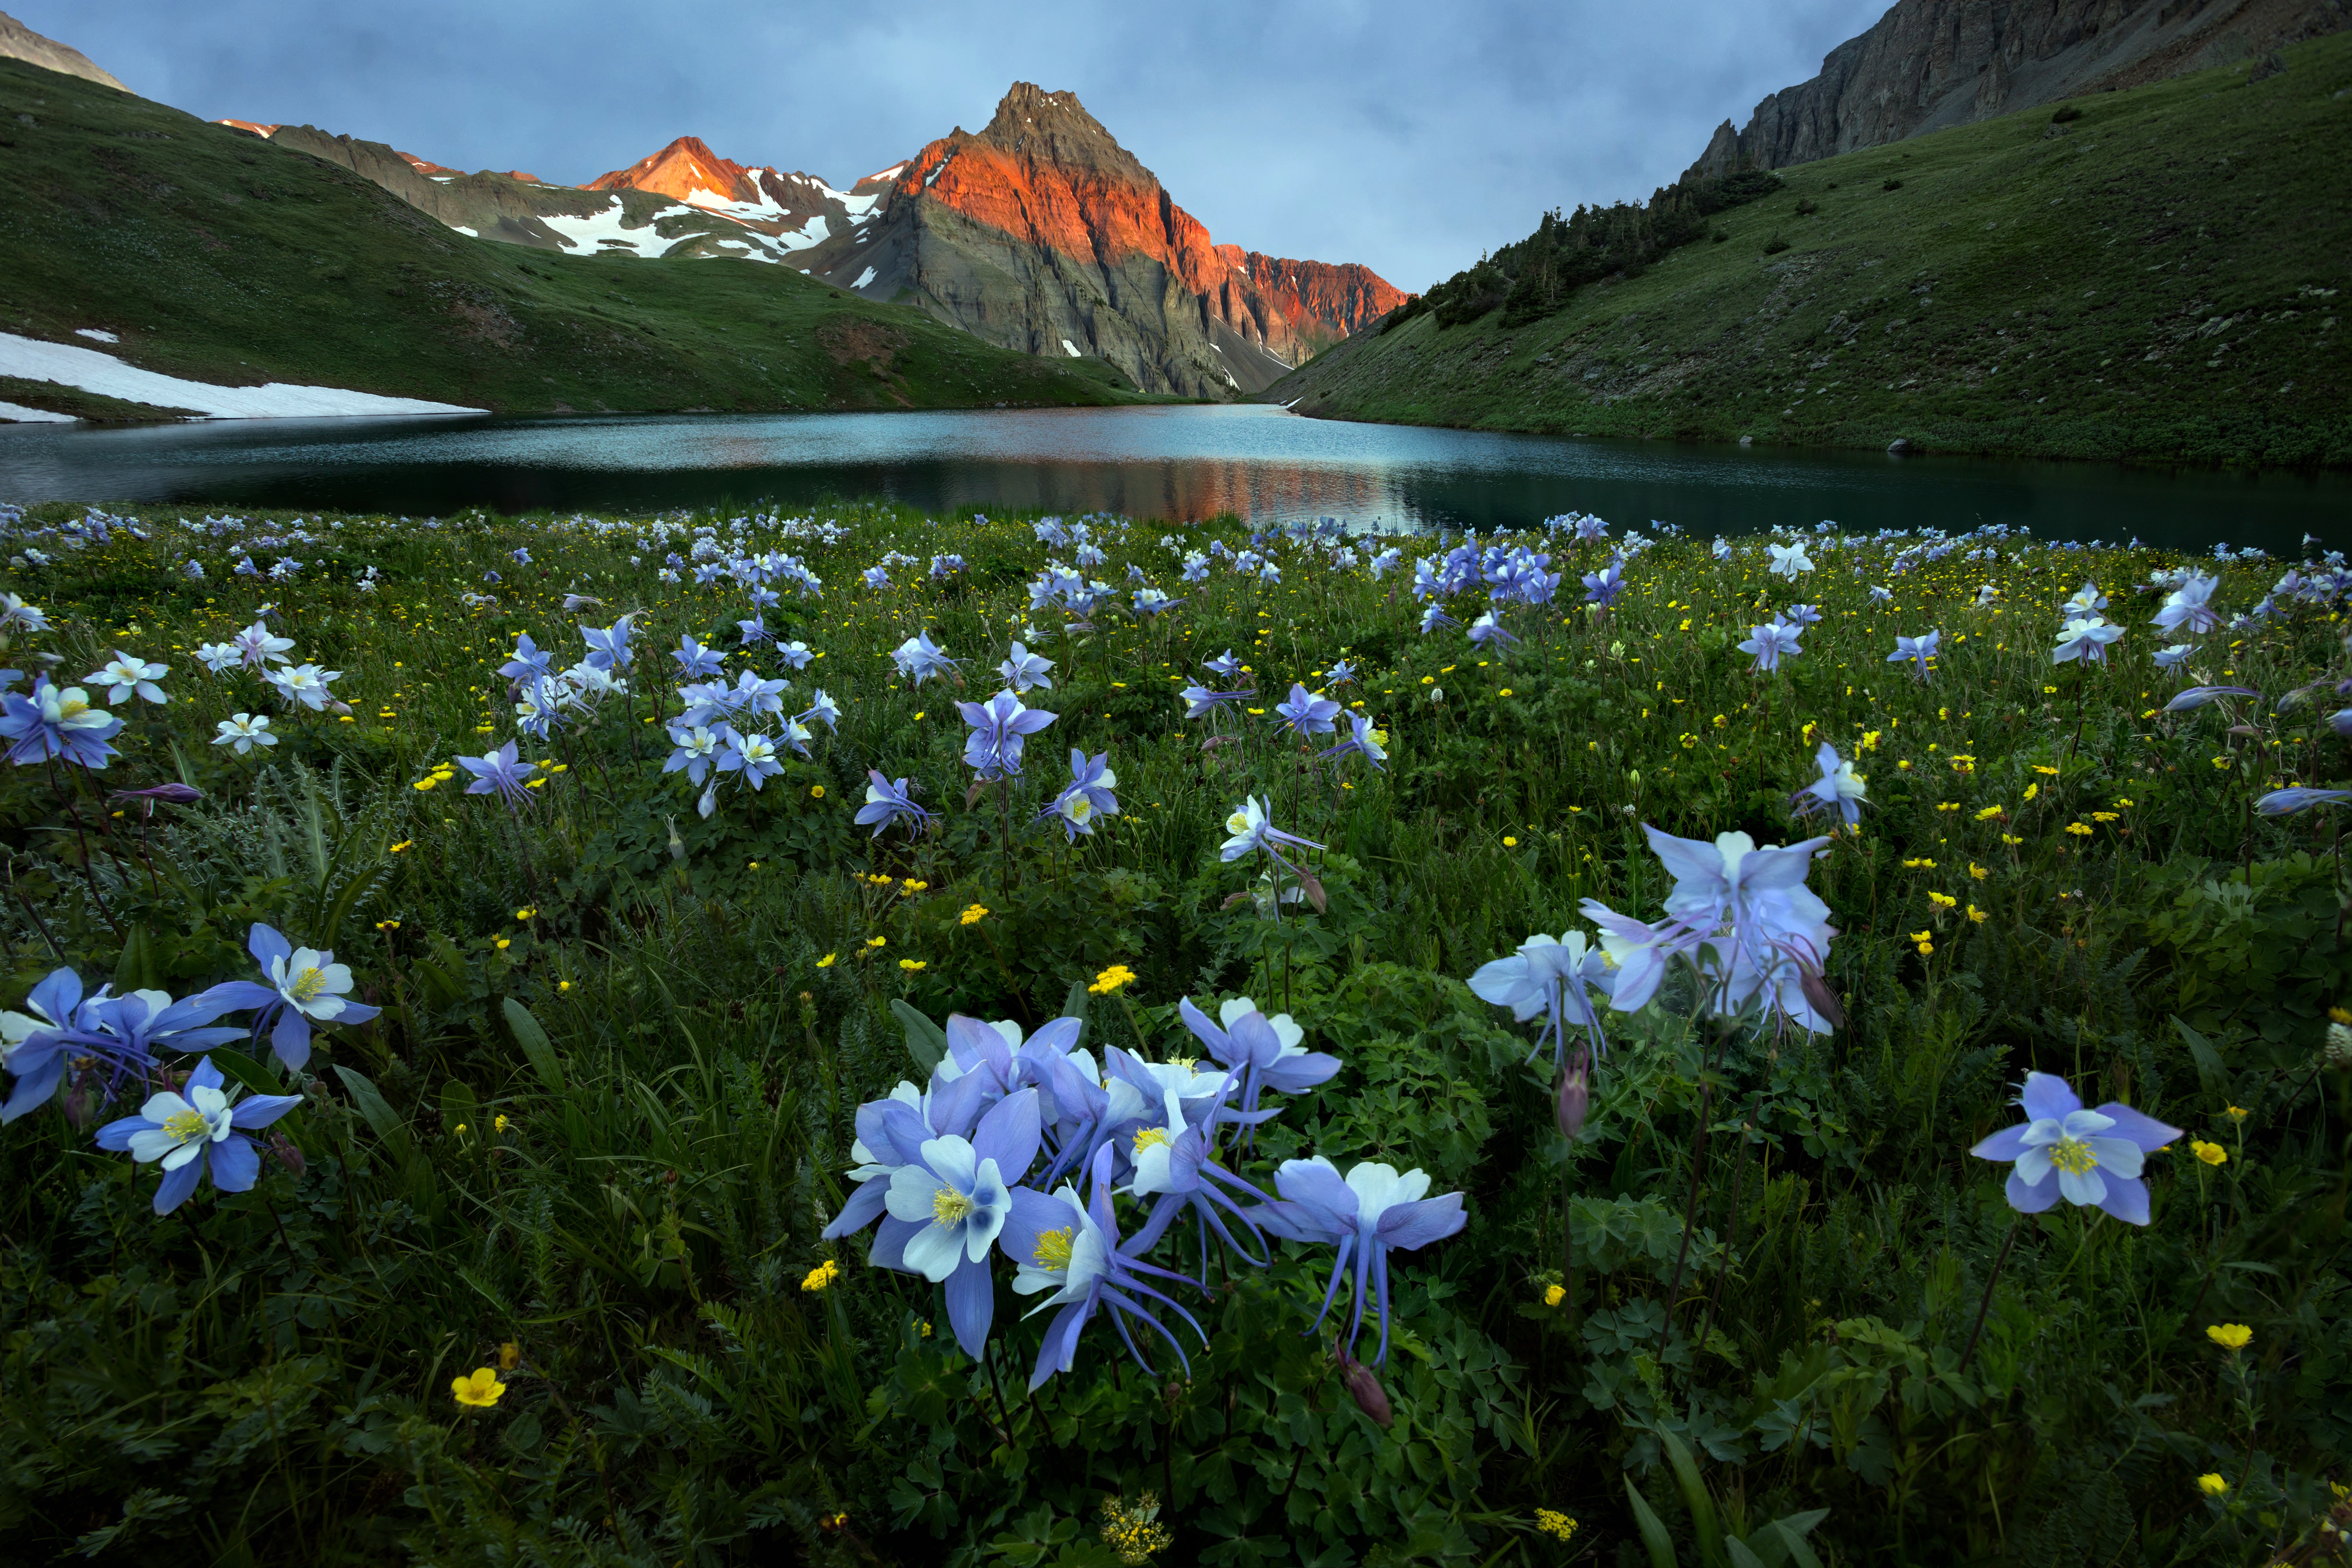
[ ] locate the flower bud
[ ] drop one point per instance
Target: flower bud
(2340, 1044)
(1365, 1390)
(1575, 1095)
(288, 1155)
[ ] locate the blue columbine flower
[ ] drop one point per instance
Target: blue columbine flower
(1306, 715)
(1839, 788)
(1369, 1214)
(752, 757)
(2083, 1156)
(57, 1027)
(2193, 697)
(304, 986)
(945, 1209)
(697, 748)
(1202, 702)
(1602, 587)
(919, 658)
(608, 648)
(528, 662)
(501, 770)
(1086, 797)
(1251, 830)
(1072, 1250)
(1225, 666)
(51, 723)
(1363, 743)
(755, 631)
(1916, 651)
(888, 802)
(1487, 629)
(1555, 977)
(202, 1130)
(693, 659)
(1434, 617)
(2287, 802)
(1771, 643)
(2086, 640)
(1265, 1051)
(1022, 669)
(1000, 727)
(795, 654)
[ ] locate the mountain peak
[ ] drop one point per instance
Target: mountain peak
(1054, 127)
(18, 42)
(684, 169)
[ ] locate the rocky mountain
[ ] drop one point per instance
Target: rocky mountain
(1929, 64)
(18, 42)
(1040, 233)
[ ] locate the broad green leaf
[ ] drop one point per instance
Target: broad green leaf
(925, 1041)
(537, 1048)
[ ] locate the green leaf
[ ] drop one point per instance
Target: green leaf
(1791, 1529)
(458, 1105)
(1696, 1497)
(537, 1048)
(2209, 1070)
(925, 1041)
(1654, 1529)
(1741, 1557)
(242, 1069)
(1074, 1005)
(377, 1112)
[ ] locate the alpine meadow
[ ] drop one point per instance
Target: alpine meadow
(868, 871)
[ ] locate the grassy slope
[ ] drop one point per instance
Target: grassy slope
(2155, 281)
(219, 257)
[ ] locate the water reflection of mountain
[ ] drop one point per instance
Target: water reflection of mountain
(1171, 462)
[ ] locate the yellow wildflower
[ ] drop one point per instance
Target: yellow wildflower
(2231, 1336)
(913, 965)
(823, 1275)
(973, 915)
(1109, 981)
(509, 1356)
(2211, 1154)
(1554, 1295)
(480, 1388)
(1554, 1523)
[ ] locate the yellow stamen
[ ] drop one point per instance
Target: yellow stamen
(2072, 1156)
(306, 986)
(948, 1207)
(186, 1126)
(1150, 1138)
(1053, 1250)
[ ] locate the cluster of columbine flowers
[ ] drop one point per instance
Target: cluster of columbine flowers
(84, 1052)
(968, 1164)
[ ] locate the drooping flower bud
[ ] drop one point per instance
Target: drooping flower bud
(176, 793)
(1575, 1095)
(1365, 1389)
(288, 1154)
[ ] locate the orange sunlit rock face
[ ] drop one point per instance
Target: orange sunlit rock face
(681, 170)
(1336, 298)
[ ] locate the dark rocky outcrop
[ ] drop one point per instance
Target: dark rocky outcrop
(1929, 64)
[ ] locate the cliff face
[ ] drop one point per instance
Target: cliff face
(1324, 302)
(1041, 233)
(1929, 64)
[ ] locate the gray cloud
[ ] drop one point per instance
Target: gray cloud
(1409, 137)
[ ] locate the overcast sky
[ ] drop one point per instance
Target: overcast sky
(1409, 137)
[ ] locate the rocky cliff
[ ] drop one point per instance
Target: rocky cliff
(1041, 233)
(18, 42)
(1931, 64)
(1324, 302)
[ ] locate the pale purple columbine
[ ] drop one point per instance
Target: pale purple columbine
(1487, 629)
(2086, 1157)
(1916, 651)
(694, 660)
(1023, 670)
(306, 685)
(1602, 587)
(1341, 673)
(51, 723)
(15, 614)
(1173, 1167)
(2190, 606)
(257, 648)
(200, 1131)
(1801, 615)
(754, 631)
(106, 1044)
(1838, 789)
(1305, 713)
(2086, 639)
(1225, 666)
(1364, 742)
(304, 986)
(1265, 1051)
(2173, 656)
(2087, 601)
(1367, 1215)
(1555, 977)
(1086, 797)
(1434, 617)
(875, 577)
(919, 658)
(1742, 916)
(500, 771)
(886, 801)
(823, 709)
(1000, 728)
(796, 655)
(1149, 602)
(2194, 697)
(2287, 802)
(944, 1211)
(127, 673)
(1250, 829)
(1771, 643)
(1072, 1250)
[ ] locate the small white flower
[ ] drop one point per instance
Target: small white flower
(243, 733)
(126, 674)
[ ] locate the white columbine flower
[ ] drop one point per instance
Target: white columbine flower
(129, 673)
(243, 733)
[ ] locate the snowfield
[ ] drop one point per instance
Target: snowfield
(91, 370)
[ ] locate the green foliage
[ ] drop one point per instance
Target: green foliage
(2154, 281)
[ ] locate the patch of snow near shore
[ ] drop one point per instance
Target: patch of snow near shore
(103, 374)
(25, 416)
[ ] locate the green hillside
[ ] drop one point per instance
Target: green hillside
(218, 256)
(2155, 278)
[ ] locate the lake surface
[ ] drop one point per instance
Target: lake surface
(1184, 462)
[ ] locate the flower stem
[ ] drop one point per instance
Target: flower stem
(1985, 1306)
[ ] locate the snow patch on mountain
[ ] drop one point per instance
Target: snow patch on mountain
(70, 365)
